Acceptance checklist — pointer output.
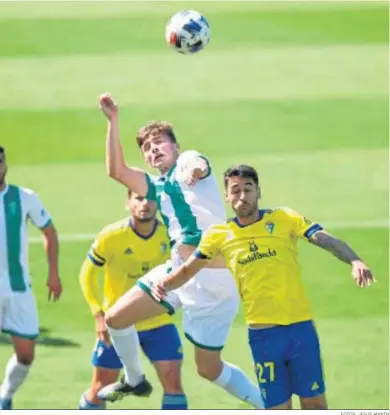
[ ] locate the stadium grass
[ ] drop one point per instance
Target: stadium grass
(298, 90)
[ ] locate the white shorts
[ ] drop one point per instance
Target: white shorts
(208, 309)
(19, 315)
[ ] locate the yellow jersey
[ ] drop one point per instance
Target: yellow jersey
(263, 258)
(125, 256)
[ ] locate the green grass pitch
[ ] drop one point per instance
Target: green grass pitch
(299, 90)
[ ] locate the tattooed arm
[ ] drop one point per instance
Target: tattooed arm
(337, 247)
(360, 272)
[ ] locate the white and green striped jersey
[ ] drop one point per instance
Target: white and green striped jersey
(187, 211)
(17, 206)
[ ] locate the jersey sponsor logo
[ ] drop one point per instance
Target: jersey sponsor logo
(255, 254)
(270, 227)
(127, 251)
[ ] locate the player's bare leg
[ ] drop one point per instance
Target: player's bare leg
(132, 307)
(316, 402)
(101, 377)
(17, 369)
(283, 406)
(168, 373)
(229, 377)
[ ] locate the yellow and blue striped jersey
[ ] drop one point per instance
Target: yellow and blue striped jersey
(263, 258)
(125, 256)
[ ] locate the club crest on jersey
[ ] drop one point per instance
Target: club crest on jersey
(164, 247)
(270, 227)
(127, 251)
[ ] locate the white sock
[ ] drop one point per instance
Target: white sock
(234, 381)
(126, 344)
(15, 374)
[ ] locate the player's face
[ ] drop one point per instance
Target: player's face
(3, 169)
(141, 209)
(243, 196)
(160, 152)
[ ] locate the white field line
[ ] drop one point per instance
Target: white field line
(363, 224)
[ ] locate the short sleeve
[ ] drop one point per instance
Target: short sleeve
(209, 245)
(36, 211)
(304, 228)
(189, 160)
(97, 254)
(151, 183)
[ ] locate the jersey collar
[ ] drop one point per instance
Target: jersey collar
(146, 237)
(261, 214)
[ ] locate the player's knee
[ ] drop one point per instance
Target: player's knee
(170, 379)
(209, 372)
(112, 320)
(314, 403)
(26, 358)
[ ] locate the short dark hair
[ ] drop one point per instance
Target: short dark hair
(241, 170)
(2, 150)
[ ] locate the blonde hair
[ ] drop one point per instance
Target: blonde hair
(155, 129)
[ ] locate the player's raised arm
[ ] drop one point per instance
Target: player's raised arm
(360, 272)
(131, 177)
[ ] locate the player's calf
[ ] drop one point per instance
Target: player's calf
(17, 369)
(101, 378)
(169, 375)
(227, 376)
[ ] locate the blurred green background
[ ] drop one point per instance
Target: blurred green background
(299, 90)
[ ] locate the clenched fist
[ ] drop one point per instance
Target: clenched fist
(108, 106)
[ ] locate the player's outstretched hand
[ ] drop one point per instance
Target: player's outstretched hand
(55, 287)
(108, 106)
(362, 274)
(158, 291)
(194, 176)
(101, 328)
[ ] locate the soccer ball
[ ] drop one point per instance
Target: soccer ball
(188, 32)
